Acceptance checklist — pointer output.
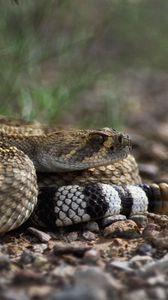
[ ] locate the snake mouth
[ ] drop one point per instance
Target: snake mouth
(57, 165)
(103, 161)
(113, 149)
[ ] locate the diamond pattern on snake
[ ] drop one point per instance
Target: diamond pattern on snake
(62, 177)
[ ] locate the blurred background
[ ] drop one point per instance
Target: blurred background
(85, 63)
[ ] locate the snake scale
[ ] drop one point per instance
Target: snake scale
(62, 177)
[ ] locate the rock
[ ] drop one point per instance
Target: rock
(96, 279)
(91, 256)
(157, 293)
(41, 235)
(118, 247)
(120, 265)
(160, 220)
(110, 220)
(158, 279)
(40, 261)
(92, 226)
(138, 295)
(160, 242)
(151, 231)
(63, 271)
(138, 261)
(82, 293)
(39, 292)
(14, 295)
(23, 277)
(124, 229)
(145, 249)
(160, 266)
(90, 283)
(140, 220)
(27, 257)
(89, 236)
(66, 249)
(5, 263)
(39, 248)
(72, 236)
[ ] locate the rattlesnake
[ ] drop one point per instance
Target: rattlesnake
(69, 176)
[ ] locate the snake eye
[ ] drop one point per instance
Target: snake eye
(97, 138)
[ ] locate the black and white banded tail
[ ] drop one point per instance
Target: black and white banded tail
(72, 204)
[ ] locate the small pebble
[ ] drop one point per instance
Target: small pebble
(27, 257)
(110, 220)
(36, 292)
(96, 279)
(160, 242)
(138, 261)
(151, 231)
(158, 293)
(72, 236)
(159, 266)
(89, 236)
(145, 249)
(13, 294)
(4, 262)
(119, 265)
(124, 229)
(60, 250)
(92, 226)
(27, 276)
(82, 293)
(63, 271)
(39, 248)
(91, 256)
(140, 220)
(138, 295)
(156, 279)
(41, 235)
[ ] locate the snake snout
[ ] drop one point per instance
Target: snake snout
(124, 141)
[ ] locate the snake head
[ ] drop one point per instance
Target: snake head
(69, 150)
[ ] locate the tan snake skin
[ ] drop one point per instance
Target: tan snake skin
(52, 157)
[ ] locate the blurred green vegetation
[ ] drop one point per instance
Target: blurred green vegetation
(59, 60)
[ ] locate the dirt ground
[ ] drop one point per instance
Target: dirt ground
(126, 260)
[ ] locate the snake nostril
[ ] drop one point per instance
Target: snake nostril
(120, 138)
(112, 148)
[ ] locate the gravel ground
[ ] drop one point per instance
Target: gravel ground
(126, 260)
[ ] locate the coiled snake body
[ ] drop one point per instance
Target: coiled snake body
(70, 176)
